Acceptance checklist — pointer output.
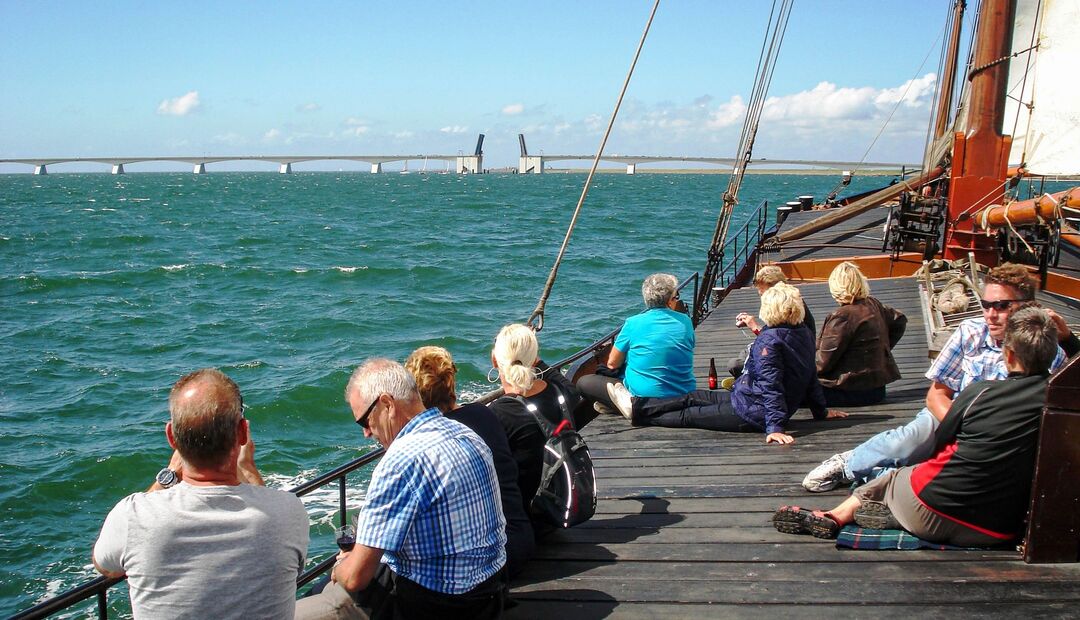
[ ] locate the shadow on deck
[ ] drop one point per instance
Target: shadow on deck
(683, 522)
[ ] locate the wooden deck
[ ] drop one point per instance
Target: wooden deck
(683, 527)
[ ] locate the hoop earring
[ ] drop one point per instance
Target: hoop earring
(494, 379)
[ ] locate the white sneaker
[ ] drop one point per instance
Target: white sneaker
(602, 408)
(619, 395)
(829, 475)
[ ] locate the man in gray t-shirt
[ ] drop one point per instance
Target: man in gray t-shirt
(207, 540)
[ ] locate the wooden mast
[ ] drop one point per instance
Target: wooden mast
(981, 155)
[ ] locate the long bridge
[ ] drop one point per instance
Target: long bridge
(463, 164)
(535, 164)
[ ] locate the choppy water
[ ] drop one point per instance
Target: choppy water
(113, 287)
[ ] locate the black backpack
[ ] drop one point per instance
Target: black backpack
(567, 492)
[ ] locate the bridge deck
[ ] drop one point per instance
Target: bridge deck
(683, 522)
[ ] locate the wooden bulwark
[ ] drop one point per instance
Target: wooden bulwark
(683, 527)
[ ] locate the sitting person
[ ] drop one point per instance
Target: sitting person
(778, 377)
(854, 351)
(654, 351)
(207, 539)
(434, 371)
(975, 490)
(972, 353)
(765, 278)
(516, 356)
(431, 539)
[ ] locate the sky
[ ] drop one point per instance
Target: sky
(124, 78)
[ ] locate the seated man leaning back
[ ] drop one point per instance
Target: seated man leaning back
(975, 490)
(207, 540)
(430, 542)
(972, 353)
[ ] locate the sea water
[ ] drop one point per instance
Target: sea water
(115, 286)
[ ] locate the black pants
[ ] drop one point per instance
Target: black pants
(853, 398)
(594, 388)
(708, 409)
(391, 597)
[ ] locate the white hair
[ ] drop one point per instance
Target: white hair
(658, 288)
(382, 376)
(516, 350)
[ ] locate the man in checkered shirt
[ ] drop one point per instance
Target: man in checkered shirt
(972, 353)
(430, 542)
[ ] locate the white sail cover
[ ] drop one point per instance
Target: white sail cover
(1046, 136)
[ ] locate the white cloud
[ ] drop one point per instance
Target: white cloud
(308, 107)
(179, 106)
(231, 138)
(355, 127)
(513, 109)
(454, 129)
(271, 135)
(401, 135)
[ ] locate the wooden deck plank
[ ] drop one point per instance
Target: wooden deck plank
(683, 521)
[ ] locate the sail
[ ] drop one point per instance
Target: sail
(1043, 107)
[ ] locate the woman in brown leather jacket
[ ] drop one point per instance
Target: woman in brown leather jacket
(854, 352)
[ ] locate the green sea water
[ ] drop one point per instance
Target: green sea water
(112, 287)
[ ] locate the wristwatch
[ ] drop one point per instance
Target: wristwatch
(167, 478)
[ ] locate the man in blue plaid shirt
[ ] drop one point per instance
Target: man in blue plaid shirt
(430, 542)
(972, 353)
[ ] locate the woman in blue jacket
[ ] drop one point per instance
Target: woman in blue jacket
(779, 377)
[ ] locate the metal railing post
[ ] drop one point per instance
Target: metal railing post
(103, 604)
(341, 501)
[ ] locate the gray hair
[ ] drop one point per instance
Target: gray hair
(205, 408)
(1031, 335)
(658, 288)
(379, 375)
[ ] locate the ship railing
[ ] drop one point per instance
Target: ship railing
(99, 587)
(738, 259)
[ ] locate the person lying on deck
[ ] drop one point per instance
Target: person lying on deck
(975, 490)
(854, 352)
(434, 371)
(972, 353)
(778, 377)
(765, 278)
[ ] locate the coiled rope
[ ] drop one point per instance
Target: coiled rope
(536, 319)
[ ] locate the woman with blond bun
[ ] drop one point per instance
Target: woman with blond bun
(854, 353)
(778, 378)
(528, 383)
(435, 375)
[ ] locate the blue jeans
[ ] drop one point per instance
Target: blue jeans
(909, 444)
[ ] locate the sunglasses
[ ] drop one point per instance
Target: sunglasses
(363, 420)
(1001, 305)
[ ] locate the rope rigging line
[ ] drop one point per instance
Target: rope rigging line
(536, 319)
(770, 51)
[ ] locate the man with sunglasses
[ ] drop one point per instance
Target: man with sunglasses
(972, 353)
(207, 540)
(430, 541)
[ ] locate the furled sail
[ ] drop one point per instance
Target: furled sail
(1043, 106)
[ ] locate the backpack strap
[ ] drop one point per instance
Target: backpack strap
(543, 422)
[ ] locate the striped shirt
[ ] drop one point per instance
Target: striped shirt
(433, 507)
(971, 355)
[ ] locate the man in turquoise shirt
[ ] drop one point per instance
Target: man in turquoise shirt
(656, 346)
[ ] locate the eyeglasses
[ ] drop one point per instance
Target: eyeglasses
(1000, 305)
(363, 420)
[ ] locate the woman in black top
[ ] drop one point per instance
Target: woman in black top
(434, 371)
(516, 356)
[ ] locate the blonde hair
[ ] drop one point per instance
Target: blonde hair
(782, 304)
(434, 371)
(769, 275)
(847, 284)
(516, 349)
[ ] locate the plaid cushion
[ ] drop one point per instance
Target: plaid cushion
(861, 538)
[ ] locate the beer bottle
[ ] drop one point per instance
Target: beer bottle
(712, 373)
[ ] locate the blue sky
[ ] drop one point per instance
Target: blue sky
(262, 78)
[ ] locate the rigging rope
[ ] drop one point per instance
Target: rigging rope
(770, 51)
(536, 319)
